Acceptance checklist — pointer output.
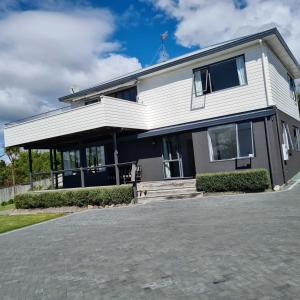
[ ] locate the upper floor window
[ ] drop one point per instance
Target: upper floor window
(219, 76)
(92, 101)
(292, 86)
(231, 141)
(129, 94)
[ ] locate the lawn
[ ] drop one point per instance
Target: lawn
(6, 207)
(8, 223)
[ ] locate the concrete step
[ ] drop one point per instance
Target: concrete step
(170, 197)
(167, 184)
(166, 191)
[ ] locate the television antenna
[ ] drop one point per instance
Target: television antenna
(74, 89)
(162, 54)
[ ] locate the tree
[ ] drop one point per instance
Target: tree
(13, 154)
(17, 170)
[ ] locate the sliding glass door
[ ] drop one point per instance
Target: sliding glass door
(172, 162)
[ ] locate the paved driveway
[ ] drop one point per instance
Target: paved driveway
(241, 247)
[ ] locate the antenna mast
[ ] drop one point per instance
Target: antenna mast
(163, 54)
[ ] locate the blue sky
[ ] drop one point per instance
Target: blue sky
(139, 25)
(48, 46)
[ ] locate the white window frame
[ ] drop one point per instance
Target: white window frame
(237, 143)
(208, 84)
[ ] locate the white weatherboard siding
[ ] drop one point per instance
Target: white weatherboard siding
(168, 95)
(280, 87)
(108, 112)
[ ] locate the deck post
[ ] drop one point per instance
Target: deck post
(30, 168)
(116, 158)
(56, 169)
(51, 169)
(82, 177)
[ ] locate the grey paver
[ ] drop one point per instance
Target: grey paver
(233, 247)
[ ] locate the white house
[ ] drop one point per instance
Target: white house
(225, 107)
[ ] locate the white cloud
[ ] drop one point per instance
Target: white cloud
(43, 53)
(204, 22)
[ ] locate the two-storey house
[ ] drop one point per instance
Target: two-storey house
(226, 107)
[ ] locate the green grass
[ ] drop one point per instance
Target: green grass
(8, 223)
(6, 207)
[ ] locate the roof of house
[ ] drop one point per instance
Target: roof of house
(186, 58)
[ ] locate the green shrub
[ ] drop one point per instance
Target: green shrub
(76, 197)
(255, 180)
(10, 201)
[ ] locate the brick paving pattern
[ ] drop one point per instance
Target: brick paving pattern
(233, 247)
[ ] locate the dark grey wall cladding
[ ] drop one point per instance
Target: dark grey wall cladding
(148, 153)
(195, 154)
(275, 152)
(292, 166)
(204, 165)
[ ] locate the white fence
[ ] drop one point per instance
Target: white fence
(10, 192)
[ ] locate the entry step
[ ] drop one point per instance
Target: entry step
(167, 189)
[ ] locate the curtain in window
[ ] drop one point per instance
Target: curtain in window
(287, 140)
(198, 83)
(240, 65)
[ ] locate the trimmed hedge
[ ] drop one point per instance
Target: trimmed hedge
(76, 197)
(255, 180)
(10, 201)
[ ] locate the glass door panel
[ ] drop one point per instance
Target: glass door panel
(172, 162)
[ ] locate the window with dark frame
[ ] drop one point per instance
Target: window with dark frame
(129, 94)
(292, 87)
(297, 138)
(286, 136)
(219, 76)
(88, 102)
(95, 158)
(71, 161)
(231, 141)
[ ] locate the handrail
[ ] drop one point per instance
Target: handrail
(34, 117)
(57, 111)
(83, 168)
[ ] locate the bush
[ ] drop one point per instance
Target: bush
(10, 201)
(255, 180)
(76, 197)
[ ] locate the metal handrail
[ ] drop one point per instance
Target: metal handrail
(83, 168)
(52, 113)
(45, 114)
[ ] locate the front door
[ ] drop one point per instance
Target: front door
(172, 162)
